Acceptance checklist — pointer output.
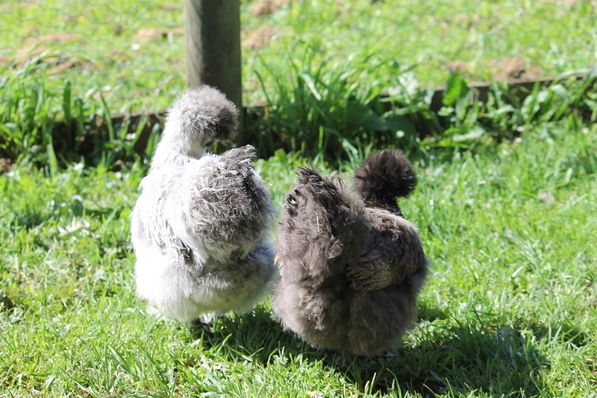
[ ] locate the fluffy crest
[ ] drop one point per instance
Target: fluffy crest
(205, 113)
(384, 176)
(196, 118)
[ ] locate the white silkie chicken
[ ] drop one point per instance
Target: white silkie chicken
(199, 225)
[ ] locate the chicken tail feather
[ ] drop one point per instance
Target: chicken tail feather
(384, 176)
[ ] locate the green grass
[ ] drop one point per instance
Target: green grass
(133, 52)
(508, 309)
(67, 66)
(505, 204)
(312, 109)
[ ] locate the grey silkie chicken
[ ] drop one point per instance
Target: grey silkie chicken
(351, 266)
(199, 225)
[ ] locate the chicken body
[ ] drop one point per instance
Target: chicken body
(198, 227)
(351, 265)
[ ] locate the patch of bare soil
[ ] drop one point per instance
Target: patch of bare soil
(503, 69)
(514, 68)
(459, 66)
(56, 61)
(40, 47)
(146, 34)
(39, 44)
(260, 37)
(266, 7)
(171, 6)
(5, 165)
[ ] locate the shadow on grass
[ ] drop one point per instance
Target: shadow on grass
(498, 360)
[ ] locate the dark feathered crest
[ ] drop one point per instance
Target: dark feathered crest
(384, 176)
(326, 190)
(307, 175)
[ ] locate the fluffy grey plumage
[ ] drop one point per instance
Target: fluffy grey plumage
(351, 266)
(199, 225)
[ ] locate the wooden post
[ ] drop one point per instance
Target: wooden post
(213, 46)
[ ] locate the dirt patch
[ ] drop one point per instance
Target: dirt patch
(65, 63)
(462, 68)
(56, 61)
(5, 165)
(146, 34)
(545, 197)
(41, 48)
(57, 38)
(503, 69)
(171, 6)
(41, 44)
(267, 7)
(515, 68)
(260, 37)
(465, 20)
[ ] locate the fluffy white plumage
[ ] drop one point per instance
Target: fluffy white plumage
(198, 227)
